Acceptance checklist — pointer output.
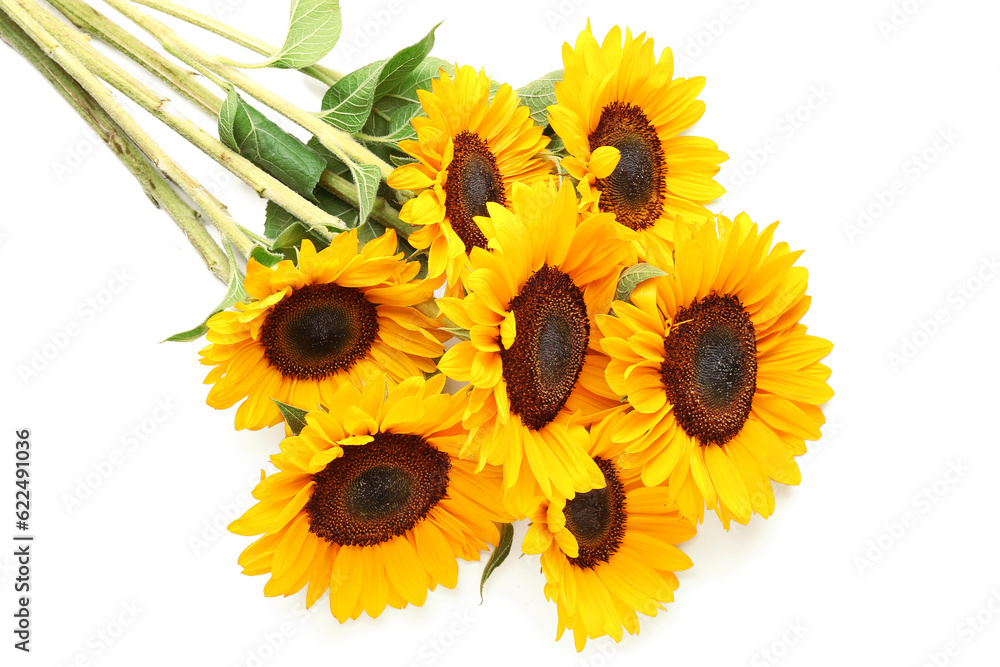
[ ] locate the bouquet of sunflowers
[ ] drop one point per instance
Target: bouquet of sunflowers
(472, 305)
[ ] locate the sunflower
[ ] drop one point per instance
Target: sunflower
(724, 383)
(619, 112)
(609, 552)
(470, 150)
(372, 502)
(342, 315)
(529, 312)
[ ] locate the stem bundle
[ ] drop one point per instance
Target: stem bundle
(82, 75)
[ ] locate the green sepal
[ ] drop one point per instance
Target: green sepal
(294, 417)
(498, 556)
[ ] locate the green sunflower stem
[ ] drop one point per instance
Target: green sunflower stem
(263, 183)
(340, 143)
(254, 236)
(91, 21)
(381, 211)
(322, 74)
(152, 182)
(87, 76)
(183, 81)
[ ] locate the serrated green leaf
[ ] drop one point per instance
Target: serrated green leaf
(392, 115)
(419, 79)
(401, 123)
(276, 220)
(313, 30)
(498, 556)
(252, 135)
(234, 293)
(265, 257)
(540, 94)
(366, 179)
(632, 276)
(397, 69)
(294, 417)
(348, 102)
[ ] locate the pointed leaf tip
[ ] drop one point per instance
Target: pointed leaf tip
(294, 417)
(498, 556)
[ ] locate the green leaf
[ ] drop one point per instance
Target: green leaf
(290, 239)
(333, 163)
(498, 556)
(458, 332)
(313, 30)
(400, 161)
(556, 144)
(634, 275)
(265, 256)
(388, 117)
(392, 115)
(400, 127)
(377, 126)
(370, 230)
(294, 417)
(276, 219)
(348, 103)
(539, 94)
(286, 232)
(396, 70)
(366, 178)
(252, 135)
(234, 293)
(419, 79)
(334, 205)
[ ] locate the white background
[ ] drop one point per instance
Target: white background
(835, 562)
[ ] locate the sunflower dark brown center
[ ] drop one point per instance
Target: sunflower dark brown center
(634, 190)
(710, 368)
(597, 519)
(377, 491)
(319, 330)
(473, 180)
(542, 366)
